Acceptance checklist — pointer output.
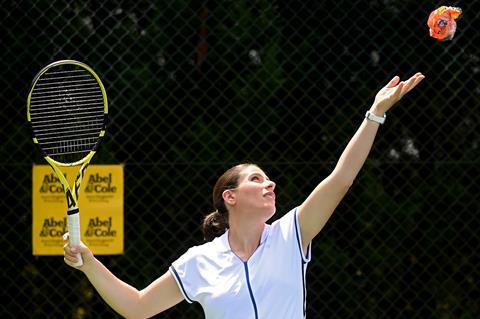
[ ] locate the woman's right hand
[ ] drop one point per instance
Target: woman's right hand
(70, 253)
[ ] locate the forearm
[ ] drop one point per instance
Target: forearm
(122, 297)
(356, 152)
(314, 212)
(319, 206)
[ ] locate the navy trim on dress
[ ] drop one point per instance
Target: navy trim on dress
(302, 265)
(181, 284)
(250, 289)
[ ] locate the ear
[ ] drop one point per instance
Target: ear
(229, 197)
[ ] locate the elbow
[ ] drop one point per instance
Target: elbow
(134, 311)
(343, 182)
(345, 186)
(141, 309)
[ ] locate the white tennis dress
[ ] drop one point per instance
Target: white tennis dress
(270, 285)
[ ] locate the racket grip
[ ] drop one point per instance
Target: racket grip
(74, 231)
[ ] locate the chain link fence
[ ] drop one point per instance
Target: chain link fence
(198, 86)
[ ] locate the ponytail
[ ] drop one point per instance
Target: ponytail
(214, 225)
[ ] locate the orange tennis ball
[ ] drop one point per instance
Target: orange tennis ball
(442, 22)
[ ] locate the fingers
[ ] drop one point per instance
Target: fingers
(412, 82)
(417, 78)
(71, 260)
(70, 254)
(72, 257)
(393, 82)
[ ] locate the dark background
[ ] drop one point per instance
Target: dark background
(198, 86)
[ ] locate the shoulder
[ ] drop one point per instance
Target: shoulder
(285, 232)
(286, 222)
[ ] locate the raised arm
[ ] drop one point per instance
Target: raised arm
(129, 302)
(315, 211)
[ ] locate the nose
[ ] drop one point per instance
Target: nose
(271, 185)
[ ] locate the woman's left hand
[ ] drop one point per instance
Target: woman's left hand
(393, 92)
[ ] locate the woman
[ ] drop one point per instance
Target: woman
(248, 269)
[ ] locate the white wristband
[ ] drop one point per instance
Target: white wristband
(375, 118)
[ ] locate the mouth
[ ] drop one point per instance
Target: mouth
(270, 195)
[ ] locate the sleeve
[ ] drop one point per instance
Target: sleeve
(184, 271)
(290, 230)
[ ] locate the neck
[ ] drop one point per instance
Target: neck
(244, 238)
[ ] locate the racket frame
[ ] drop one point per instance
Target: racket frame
(73, 213)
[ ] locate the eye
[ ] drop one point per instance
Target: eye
(255, 178)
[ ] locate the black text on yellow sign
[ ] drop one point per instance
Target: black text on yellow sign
(100, 203)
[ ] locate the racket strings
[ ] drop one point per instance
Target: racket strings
(67, 113)
(50, 102)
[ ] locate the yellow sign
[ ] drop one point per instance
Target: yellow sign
(100, 203)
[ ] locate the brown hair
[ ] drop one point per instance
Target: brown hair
(216, 223)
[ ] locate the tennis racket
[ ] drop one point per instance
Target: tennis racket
(67, 111)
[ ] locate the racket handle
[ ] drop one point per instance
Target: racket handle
(74, 231)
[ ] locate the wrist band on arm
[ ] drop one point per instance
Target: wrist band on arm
(375, 118)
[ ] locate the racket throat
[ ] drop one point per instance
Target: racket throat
(71, 201)
(79, 178)
(73, 211)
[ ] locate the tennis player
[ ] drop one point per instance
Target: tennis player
(247, 268)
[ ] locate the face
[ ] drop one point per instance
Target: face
(254, 194)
